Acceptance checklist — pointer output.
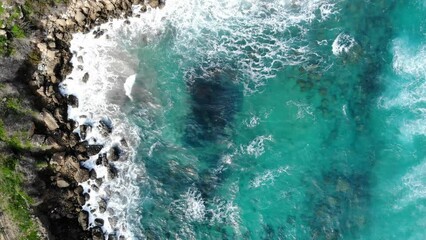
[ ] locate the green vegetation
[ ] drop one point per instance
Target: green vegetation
(15, 142)
(1, 8)
(3, 46)
(3, 133)
(14, 201)
(15, 105)
(19, 18)
(18, 141)
(17, 32)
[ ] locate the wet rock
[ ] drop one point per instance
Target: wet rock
(71, 125)
(92, 174)
(59, 114)
(97, 233)
(83, 218)
(113, 221)
(72, 101)
(112, 171)
(82, 157)
(114, 153)
(81, 200)
(98, 33)
(99, 222)
(84, 147)
(86, 196)
(99, 181)
(72, 140)
(94, 188)
(81, 175)
(112, 237)
(105, 126)
(123, 142)
(102, 160)
(102, 205)
(70, 166)
(84, 129)
(81, 147)
(78, 190)
(62, 183)
(85, 77)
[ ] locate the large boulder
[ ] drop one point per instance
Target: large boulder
(154, 3)
(81, 175)
(49, 120)
(79, 18)
(62, 183)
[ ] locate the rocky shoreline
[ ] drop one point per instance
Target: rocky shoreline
(60, 209)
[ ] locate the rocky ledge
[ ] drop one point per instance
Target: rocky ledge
(61, 206)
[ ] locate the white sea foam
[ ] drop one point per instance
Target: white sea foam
(191, 207)
(342, 44)
(232, 31)
(257, 146)
(268, 177)
(413, 186)
(100, 79)
(407, 89)
(128, 85)
(303, 109)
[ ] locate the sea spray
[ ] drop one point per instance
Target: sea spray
(103, 75)
(302, 157)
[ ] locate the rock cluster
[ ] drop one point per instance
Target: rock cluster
(66, 149)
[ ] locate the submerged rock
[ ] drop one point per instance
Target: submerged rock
(102, 205)
(215, 98)
(112, 171)
(105, 126)
(84, 129)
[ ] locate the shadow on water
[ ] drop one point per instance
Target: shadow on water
(190, 176)
(214, 100)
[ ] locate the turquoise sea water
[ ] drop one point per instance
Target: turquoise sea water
(283, 120)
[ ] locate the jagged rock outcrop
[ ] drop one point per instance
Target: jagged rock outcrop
(62, 196)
